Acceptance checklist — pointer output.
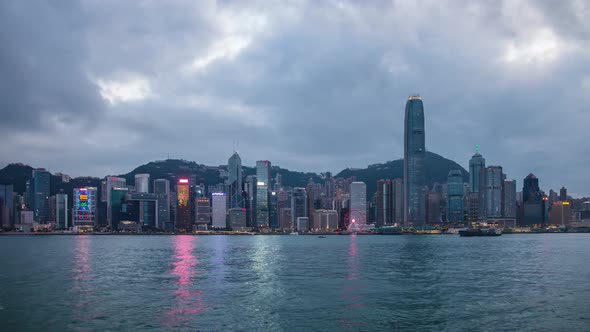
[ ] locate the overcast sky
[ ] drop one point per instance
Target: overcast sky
(100, 87)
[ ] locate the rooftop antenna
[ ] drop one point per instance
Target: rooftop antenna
(476, 148)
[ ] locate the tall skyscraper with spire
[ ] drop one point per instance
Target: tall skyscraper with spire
(476, 164)
(414, 153)
(234, 167)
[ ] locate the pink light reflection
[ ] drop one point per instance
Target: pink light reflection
(189, 301)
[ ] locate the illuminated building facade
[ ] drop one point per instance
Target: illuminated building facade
(84, 207)
(560, 214)
(262, 193)
(414, 154)
(219, 210)
(202, 212)
(183, 207)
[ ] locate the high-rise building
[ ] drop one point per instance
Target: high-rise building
(533, 206)
(7, 218)
(262, 193)
(560, 214)
(398, 201)
(250, 199)
(202, 212)
(563, 194)
(118, 206)
(219, 210)
(325, 220)
(490, 191)
(414, 154)
(61, 211)
(358, 206)
(298, 205)
(455, 196)
(432, 207)
(84, 207)
(509, 199)
(183, 208)
(142, 182)
(109, 183)
(237, 219)
(234, 166)
(41, 181)
(162, 191)
(477, 164)
(285, 218)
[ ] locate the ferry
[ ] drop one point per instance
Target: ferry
(483, 231)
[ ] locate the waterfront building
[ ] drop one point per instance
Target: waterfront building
(491, 183)
(262, 193)
(285, 218)
(202, 212)
(41, 180)
(237, 219)
(414, 154)
(455, 193)
(84, 207)
(250, 199)
(533, 207)
(432, 207)
(325, 220)
(142, 182)
(118, 207)
(61, 211)
(7, 205)
(302, 224)
(162, 191)
(398, 201)
(358, 205)
(145, 208)
(560, 214)
(298, 205)
(184, 220)
(509, 199)
(109, 183)
(219, 210)
(234, 166)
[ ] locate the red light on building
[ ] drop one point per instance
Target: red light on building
(545, 198)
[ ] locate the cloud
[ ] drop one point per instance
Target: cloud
(311, 86)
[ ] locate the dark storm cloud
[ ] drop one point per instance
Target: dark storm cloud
(309, 85)
(42, 63)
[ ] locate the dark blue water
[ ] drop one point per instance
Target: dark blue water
(295, 283)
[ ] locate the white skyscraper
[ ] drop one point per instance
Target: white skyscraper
(142, 183)
(218, 207)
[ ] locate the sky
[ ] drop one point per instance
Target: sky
(100, 87)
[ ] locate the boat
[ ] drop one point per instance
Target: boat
(322, 236)
(294, 233)
(483, 231)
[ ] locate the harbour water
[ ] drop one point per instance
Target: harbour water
(295, 283)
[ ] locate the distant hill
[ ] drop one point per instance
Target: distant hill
(436, 169)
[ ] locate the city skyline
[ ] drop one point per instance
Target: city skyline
(272, 76)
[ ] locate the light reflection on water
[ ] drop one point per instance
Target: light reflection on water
(189, 299)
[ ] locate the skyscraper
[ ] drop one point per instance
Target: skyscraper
(491, 192)
(533, 207)
(41, 180)
(110, 183)
(142, 183)
(183, 209)
(262, 193)
(61, 211)
(358, 206)
(414, 153)
(477, 164)
(563, 194)
(234, 166)
(84, 207)
(509, 199)
(118, 206)
(455, 196)
(298, 205)
(219, 211)
(162, 191)
(6, 205)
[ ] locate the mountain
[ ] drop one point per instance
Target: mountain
(436, 169)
